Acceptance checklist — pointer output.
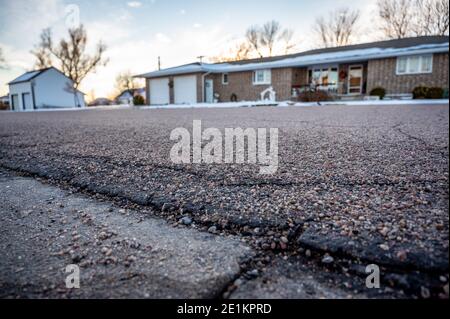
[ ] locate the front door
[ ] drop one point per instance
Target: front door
(209, 91)
(355, 79)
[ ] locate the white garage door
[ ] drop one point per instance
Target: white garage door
(159, 91)
(15, 102)
(185, 89)
(27, 103)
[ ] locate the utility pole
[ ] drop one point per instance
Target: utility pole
(200, 58)
(159, 63)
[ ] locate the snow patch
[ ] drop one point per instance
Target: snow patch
(212, 105)
(247, 104)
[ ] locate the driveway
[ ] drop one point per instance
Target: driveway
(356, 185)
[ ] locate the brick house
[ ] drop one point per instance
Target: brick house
(345, 72)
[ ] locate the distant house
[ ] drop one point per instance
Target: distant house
(126, 97)
(44, 89)
(101, 101)
(4, 100)
(344, 72)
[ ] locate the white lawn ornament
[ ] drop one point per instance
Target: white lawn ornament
(272, 95)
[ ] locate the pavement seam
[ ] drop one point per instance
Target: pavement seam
(234, 229)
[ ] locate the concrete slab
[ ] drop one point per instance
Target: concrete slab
(121, 254)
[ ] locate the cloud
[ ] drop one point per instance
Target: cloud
(20, 28)
(22, 25)
(17, 61)
(161, 37)
(16, 58)
(198, 25)
(142, 56)
(182, 12)
(134, 4)
(109, 32)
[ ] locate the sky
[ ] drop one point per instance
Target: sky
(137, 32)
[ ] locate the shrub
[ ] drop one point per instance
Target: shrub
(435, 93)
(445, 94)
(4, 106)
(378, 91)
(314, 96)
(138, 100)
(420, 92)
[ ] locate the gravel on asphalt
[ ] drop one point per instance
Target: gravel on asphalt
(366, 182)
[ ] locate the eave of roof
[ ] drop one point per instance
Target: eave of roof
(33, 74)
(37, 73)
(350, 54)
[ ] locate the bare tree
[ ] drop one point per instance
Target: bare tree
(396, 17)
(287, 37)
(261, 41)
(404, 18)
(432, 17)
(270, 33)
(253, 36)
(339, 29)
(241, 51)
(70, 54)
(265, 39)
(91, 96)
(126, 81)
(43, 58)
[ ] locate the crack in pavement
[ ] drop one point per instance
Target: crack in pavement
(365, 186)
(300, 240)
(112, 247)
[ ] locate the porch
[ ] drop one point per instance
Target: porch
(340, 81)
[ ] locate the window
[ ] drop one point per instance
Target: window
(328, 77)
(334, 76)
(415, 64)
(225, 78)
(402, 64)
(261, 77)
(427, 63)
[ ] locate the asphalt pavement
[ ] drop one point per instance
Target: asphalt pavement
(355, 185)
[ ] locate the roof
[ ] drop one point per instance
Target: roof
(28, 76)
(128, 91)
(351, 53)
(131, 92)
(387, 44)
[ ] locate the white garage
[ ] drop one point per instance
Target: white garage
(180, 85)
(44, 89)
(159, 91)
(185, 89)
